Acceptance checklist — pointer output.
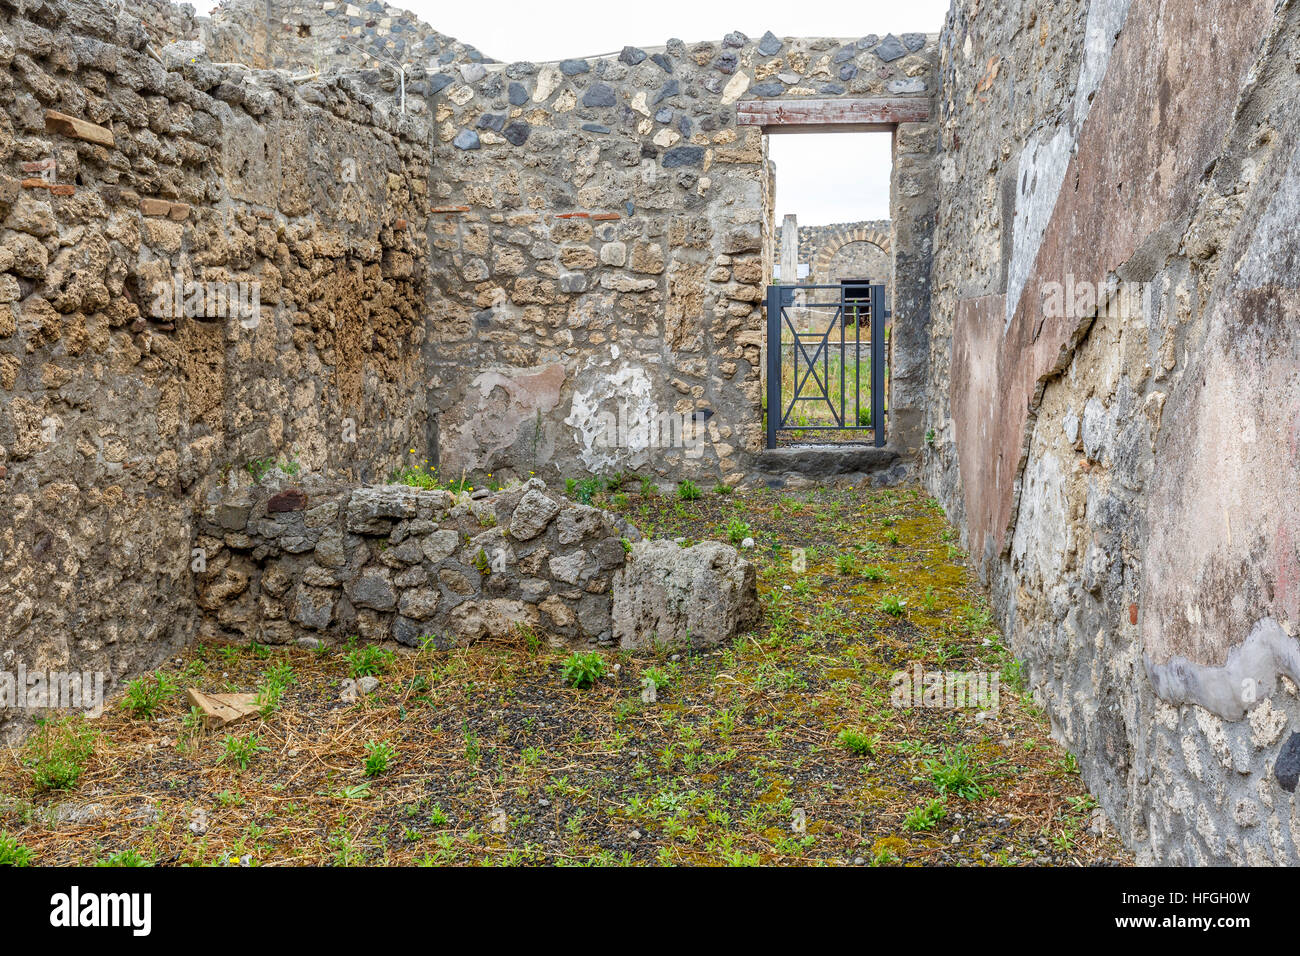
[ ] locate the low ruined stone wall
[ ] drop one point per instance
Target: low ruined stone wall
(287, 562)
(1118, 462)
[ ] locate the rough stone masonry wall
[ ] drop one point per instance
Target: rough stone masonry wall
(298, 562)
(328, 35)
(1125, 476)
(599, 236)
(114, 420)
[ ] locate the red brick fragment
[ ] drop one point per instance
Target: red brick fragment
(291, 499)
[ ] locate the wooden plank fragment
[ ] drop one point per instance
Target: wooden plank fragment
(221, 709)
(62, 123)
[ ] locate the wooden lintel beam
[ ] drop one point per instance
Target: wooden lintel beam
(868, 112)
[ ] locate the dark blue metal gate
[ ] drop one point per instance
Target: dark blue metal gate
(802, 364)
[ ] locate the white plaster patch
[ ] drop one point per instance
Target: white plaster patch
(1042, 535)
(1039, 176)
(1043, 161)
(1105, 20)
(624, 396)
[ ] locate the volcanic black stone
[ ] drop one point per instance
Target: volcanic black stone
(516, 133)
(1287, 768)
(769, 45)
(671, 88)
(890, 49)
(683, 156)
(599, 94)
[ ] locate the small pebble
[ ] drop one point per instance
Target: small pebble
(368, 684)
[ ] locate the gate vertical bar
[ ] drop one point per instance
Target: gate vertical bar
(843, 317)
(857, 365)
(773, 363)
(878, 364)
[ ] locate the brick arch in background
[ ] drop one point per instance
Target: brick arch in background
(840, 237)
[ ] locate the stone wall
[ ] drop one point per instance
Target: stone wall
(122, 180)
(846, 250)
(166, 22)
(601, 243)
(1118, 464)
(302, 561)
(328, 36)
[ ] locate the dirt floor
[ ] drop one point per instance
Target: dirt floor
(783, 747)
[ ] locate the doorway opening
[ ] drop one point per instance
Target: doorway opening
(831, 269)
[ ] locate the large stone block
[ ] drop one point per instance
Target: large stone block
(697, 596)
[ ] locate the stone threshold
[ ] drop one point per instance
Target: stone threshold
(805, 466)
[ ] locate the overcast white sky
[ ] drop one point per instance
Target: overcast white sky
(821, 179)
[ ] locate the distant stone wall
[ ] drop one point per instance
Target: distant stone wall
(164, 21)
(287, 562)
(845, 250)
(601, 234)
(326, 36)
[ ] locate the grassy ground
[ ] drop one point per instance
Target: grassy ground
(781, 748)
